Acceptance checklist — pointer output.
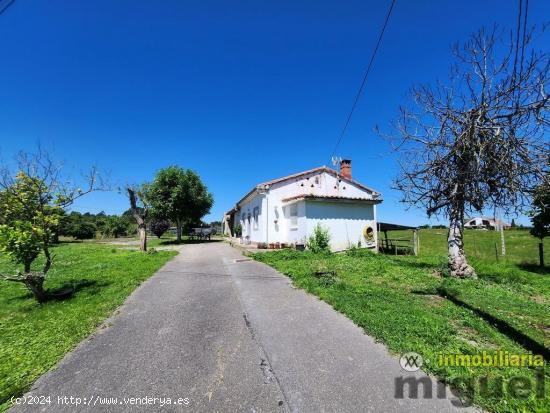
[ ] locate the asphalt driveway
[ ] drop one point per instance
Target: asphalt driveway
(215, 332)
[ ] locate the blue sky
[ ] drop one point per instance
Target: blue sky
(240, 92)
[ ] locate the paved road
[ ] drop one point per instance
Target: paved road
(226, 334)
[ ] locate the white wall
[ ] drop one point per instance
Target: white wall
(295, 234)
(255, 230)
(345, 221)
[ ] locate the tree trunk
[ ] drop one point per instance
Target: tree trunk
(458, 265)
(34, 281)
(178, 231)
(140, 217)
(142, 238)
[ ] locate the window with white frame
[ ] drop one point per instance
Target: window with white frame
(255, 215)
(293, 215)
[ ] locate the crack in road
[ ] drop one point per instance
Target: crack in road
(265, 364)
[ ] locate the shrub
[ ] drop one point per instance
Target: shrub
(319, 241)
(83, 230)
(159, 227)
(238, 230)
(115, 226)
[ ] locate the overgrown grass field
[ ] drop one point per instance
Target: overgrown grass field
(409, 304)
(485, 246)
(34, 337)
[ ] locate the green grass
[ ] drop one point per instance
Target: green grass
(401, 301)
(35, 337)
(152, 241)
(521, 247)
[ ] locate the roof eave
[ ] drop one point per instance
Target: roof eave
(331, 199)
(265, 186)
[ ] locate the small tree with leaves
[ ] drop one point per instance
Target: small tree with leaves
(115, 226)
(31, 206)
(179, 195)
(82, 230)
(477, 141)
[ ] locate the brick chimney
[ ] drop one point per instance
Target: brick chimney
(345, 168)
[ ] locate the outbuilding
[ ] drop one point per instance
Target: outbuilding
(490, 223)
(286, 210)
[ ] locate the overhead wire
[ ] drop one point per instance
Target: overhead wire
(365, 77)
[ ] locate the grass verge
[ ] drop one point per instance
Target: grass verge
(35, 337)
(401, 301)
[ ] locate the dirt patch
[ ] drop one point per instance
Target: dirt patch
(436, 274)
(540, 299)
(471, 337)
(433, 300)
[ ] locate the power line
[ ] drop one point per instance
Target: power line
(518, 30)
(524, 37)
(359, 93)
(5, 4)
(522, 13)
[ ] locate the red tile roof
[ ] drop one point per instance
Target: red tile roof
(267, 184)
(319, 169)
(330, 197)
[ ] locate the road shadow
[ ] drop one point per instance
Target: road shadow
(502, 326)
(534, 268)
(67, 290)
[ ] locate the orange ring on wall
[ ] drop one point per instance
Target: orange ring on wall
(368, 233)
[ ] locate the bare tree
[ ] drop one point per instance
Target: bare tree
(140, 209)
(476, 142)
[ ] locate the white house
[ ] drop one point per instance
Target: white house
(486, 223)
(287, 209)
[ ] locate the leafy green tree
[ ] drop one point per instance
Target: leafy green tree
(115, 226)
(82, 230)
(21, 242)
(180, 196)
(30, 216)
(29, 220)
(31, 207)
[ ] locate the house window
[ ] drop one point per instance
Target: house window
(256, 213)
(293, 214)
